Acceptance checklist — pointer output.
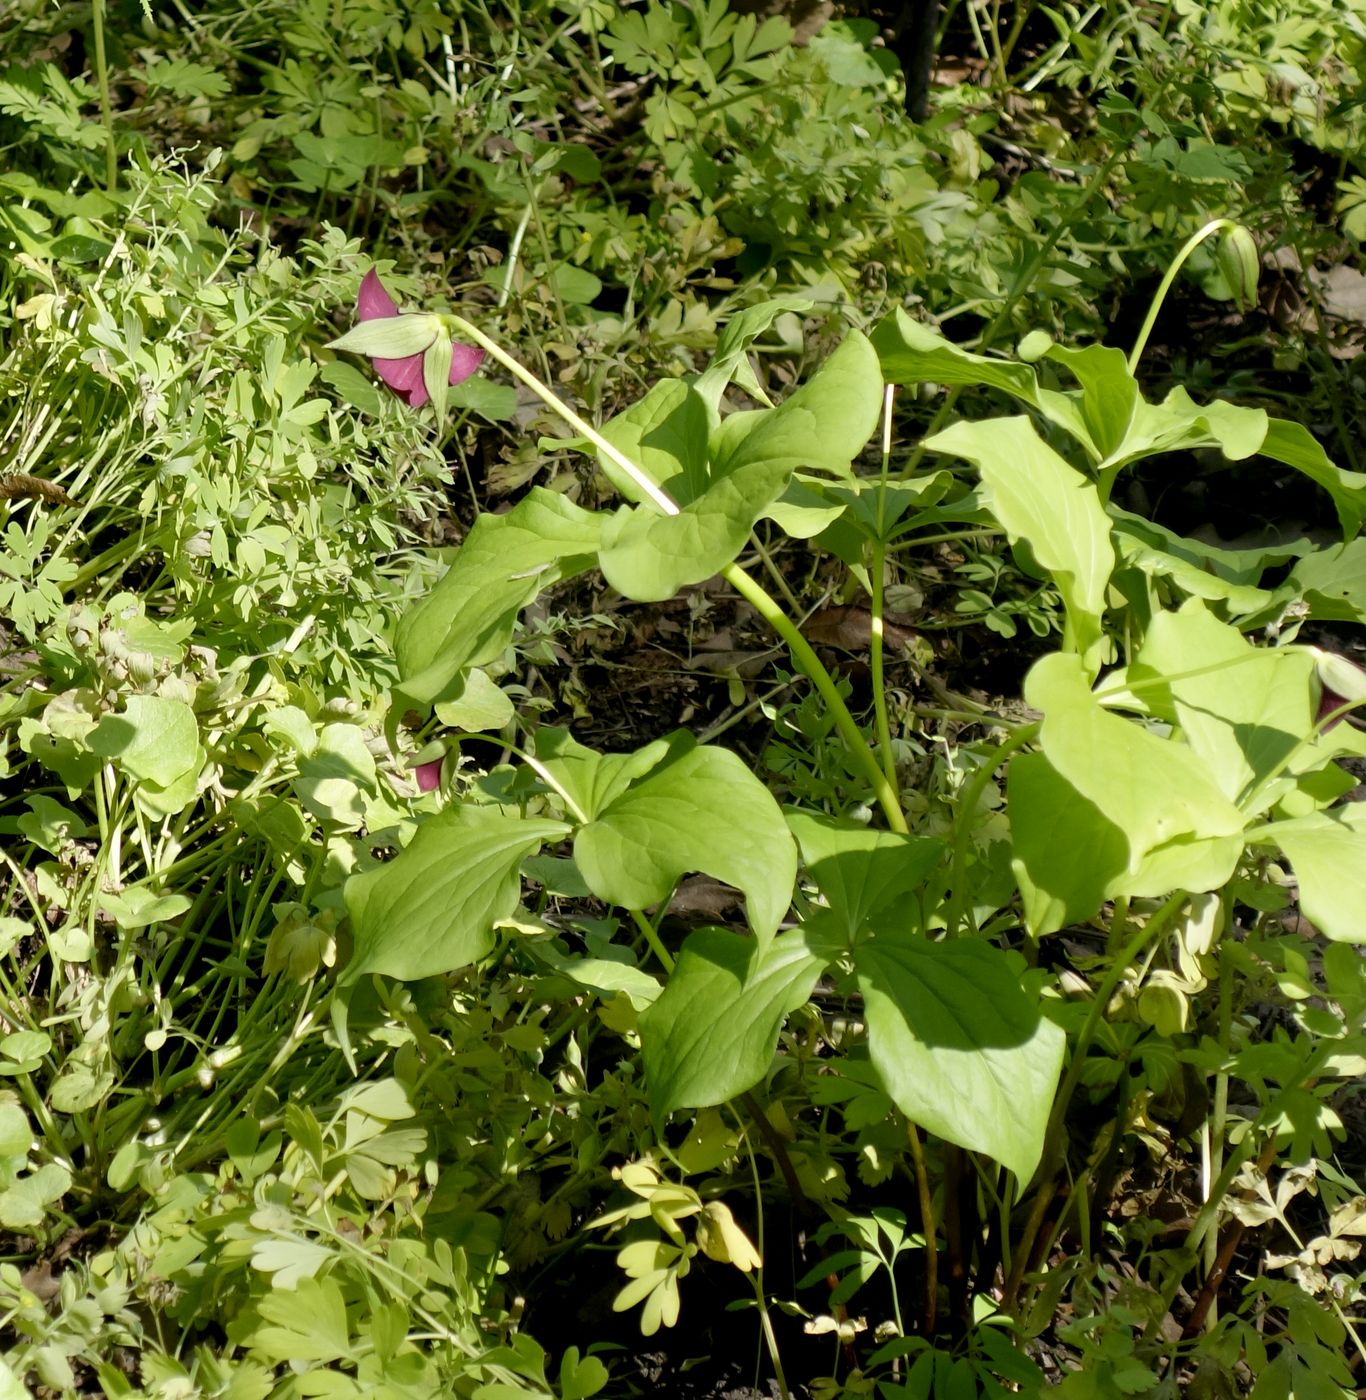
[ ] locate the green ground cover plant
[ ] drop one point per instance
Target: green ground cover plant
(361, 990)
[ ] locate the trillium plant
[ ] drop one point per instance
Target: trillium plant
(1169, 755)
(414, 353)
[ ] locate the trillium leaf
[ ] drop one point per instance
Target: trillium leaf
(665, 434)
(1247, 717)
(505, 561)
(1328, 855)
(1159, 793)
(432, 908)
(960, 1045)
(911, 353)
(1065, 852)
(713, 1030)
(701, 809)
(594, 780)
(863, 872)
(1048, 505)
(823, 425)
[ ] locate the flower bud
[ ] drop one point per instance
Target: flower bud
(1241, 265)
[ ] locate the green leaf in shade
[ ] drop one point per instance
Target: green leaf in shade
(1179, 424)
(823, 425)
(1054, 509)
(352, 386)
(701, 809)
(505, 561)
(1328, 855)
(1333, 581)
(495, 402)
(153, 738)
(593, 780)
(1065, 852)
(1110, 397)
(730, 361)
(1296, 446)
(911, 353)
(713, 1030)
(1227, 576)
(959, 1044)
(336, 776)
(1244, 710)
(479, 706)
(304, 1323)
(1180, 828)
(576, 286)
(863, 872)
(432, 908)
(665, 435)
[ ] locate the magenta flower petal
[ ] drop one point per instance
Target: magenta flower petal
(428, 775)
(465, 361)
(373, 301)
(404, 377)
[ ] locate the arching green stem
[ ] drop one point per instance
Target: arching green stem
(1187, 248)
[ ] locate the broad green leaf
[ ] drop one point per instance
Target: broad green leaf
(604, 975)
(648, 557)
(1228, 576)
(863, 872)
(153, 738)
(505, 561)
(1328, 855)
(1054, 509)
(478, 707)
(713, 1030)
(1296, 446)
(1333, 581)
(702, 809)
(665, 434)
(334, 779)
(1156, 791)
(823, 425)
(805, 508)
(1179, 424)
(16, 1136)
(959, 1044)
(911, 353)
(1244, 710)
(593, 780)
(136, 906)
(432, 908)
(1110, 397)
(1065, 852)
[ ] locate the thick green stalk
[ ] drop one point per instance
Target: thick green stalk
(815, 672)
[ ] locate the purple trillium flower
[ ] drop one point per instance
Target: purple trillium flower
(413, 352)
(428, 775)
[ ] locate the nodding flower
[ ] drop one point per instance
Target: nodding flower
(412, 352)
